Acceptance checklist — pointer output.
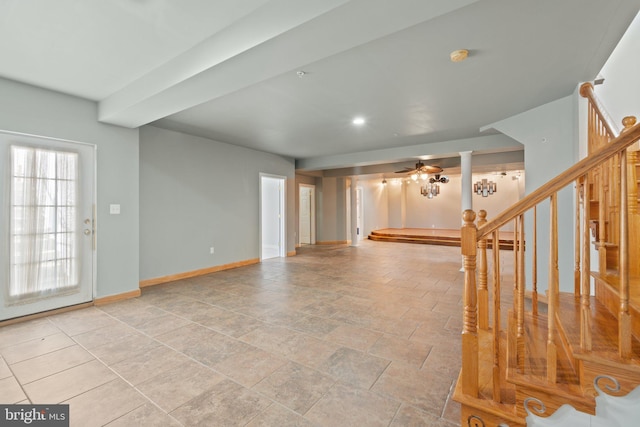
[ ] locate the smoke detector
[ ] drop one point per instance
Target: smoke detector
(459, 55)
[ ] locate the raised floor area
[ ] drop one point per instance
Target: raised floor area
(431, 236)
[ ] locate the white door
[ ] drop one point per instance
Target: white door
(47, 232)
(272, 217)
(306, 215)
(359, 213)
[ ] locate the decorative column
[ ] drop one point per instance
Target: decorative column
(466, 180)
(354, 211)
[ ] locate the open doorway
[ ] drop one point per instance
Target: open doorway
(272, 218)
(307, 215)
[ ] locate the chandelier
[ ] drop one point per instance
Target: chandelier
(485, 188)
(430, 190)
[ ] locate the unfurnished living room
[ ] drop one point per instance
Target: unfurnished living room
(319, 212)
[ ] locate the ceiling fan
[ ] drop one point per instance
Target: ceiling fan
(421, 168)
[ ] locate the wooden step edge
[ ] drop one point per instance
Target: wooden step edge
(631, 365)
(567, 392)
(504, 411)
(412, 236)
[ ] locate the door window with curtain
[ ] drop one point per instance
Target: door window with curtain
(43, 246)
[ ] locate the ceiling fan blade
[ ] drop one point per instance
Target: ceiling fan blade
(406, 170)
(431, 169)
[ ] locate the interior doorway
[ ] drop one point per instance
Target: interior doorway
(307, 215)
(272, 217)
(359, 213)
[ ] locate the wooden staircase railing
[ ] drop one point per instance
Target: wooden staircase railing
(494, 359)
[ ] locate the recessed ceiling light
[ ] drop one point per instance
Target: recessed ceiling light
(358, 121)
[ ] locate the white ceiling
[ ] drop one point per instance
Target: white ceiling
(226, 69)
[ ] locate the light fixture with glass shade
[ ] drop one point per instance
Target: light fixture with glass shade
(485, 188)
(430, 190)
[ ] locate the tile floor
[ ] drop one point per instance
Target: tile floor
(335, 336)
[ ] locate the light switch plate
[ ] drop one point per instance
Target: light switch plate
(114, 209)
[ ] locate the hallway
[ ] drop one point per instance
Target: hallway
(335, 336)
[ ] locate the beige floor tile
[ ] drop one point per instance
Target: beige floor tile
(408, 416)
(105, 335)
(147, 415)
(316, 326)
(50, 363)
(354, 367)
(347, 406)
(425, 390)
(148, 364)
(5, 372)
(353, 337)
(226, 404)
(130, 346)
(179, 385)
(307, 350)
(10, 391)
(103, 404)
(20, 332)
(295, 386)
(35, 347)
(229, 323)
(250, 367)
(79, 321)
(276, 415)
(401, 350)
(160, 324)
(204, 345)
(67, 384)
(269, 337)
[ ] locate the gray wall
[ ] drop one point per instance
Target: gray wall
(549, 136)
(32, 110)
(196, 193)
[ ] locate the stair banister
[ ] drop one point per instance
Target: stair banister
(587, 91)
(559, 182)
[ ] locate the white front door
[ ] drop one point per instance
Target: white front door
(47, 232)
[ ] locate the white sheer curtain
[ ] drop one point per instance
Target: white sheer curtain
(43, 217)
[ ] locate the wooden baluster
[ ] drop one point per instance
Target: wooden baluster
(581, 194)
(483, 292)
(521, 288)
(512, 341)
(469, 327)
(632, 160)
(632, 199)
(624, 318)
(602, 208)
(552, 354)
(534, 263)
(585, 299)
(496, 317)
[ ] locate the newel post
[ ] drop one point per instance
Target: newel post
(470, 323)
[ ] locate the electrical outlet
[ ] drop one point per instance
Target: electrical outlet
(211, 250)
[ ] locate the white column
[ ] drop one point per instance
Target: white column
(354, 211)
(466, 183)
(467, 180)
